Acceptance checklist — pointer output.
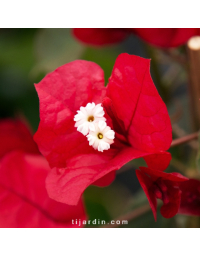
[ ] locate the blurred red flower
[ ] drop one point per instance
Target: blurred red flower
(100, 36)
(24, 202)
(133, 108)
(164, 186)
(190, 197)
(161, 37)
(14, 135)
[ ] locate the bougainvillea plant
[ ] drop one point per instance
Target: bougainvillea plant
(88, 131)
(24, 202)
(161, 37)
(164, 186)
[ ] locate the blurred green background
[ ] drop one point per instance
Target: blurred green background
(27, 55)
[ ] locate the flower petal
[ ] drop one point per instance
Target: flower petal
(24, 202)
(61, 94)
(170, 210)
(105, 180)
(14, 135)
(158, 161)
(173, 176)
(138, 104)
(162, 37)
(146, 183)
(67, 184)
(166, 37)
(190, 197)
(100, 36)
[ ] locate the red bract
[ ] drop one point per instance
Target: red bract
(100, 36)
(14, 135)
(24, 202)
(167, 37)
(134, 110)
(162, 37)
(190, 197)
(164, 186)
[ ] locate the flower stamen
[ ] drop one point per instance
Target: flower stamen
(100, 136)
(90, 119)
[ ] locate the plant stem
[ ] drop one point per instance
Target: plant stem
(184, 139)
(129, 216)
(193, 47)
(180, 133)
(177, 57)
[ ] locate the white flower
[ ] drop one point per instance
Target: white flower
(100, 136)
(87, 116)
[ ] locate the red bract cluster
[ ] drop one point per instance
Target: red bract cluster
(134, 110)
(164, 186)
(190, 198)
(161, 37)
(24, 202)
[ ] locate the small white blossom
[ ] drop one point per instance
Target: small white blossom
(87, 116)
(100, 136)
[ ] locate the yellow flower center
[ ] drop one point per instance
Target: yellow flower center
(100, 136)
(90, 119)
